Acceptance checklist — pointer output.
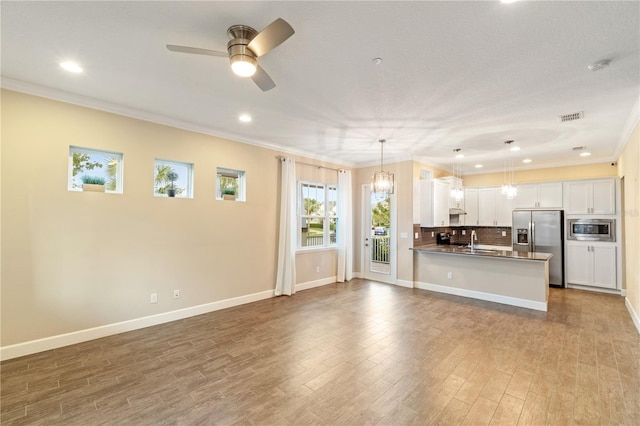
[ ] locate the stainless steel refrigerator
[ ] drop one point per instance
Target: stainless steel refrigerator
(541, 231)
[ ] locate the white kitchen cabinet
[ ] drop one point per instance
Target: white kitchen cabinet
(434, 203)
(591, 264)
(590, 197)
(471, 207)
(538, 196)
(494, 208)
(454, 183)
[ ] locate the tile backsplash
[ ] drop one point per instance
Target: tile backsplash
(486, 234)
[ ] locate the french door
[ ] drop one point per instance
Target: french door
(379, 236)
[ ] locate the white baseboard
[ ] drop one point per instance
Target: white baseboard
(634, 315)
(53, 342)
(357, 275)
(404, 283)
(316, 283)
(506, 300)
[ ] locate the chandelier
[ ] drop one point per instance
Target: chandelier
(456, 189)
(382, 182)
(508, 187)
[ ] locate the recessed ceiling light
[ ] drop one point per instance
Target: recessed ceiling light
(478, 166)
(377, 61)
(526, 160)
(585, 154)
(245, 118)
(515, 148)
(71, 66)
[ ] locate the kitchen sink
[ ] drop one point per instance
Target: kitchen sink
(477, 250)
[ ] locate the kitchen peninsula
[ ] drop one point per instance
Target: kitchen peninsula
(502, 276)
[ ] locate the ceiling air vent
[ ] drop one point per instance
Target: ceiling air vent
(571, 117)
(579, 148)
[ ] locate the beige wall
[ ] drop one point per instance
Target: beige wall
(629, 170)
(74, 260)
(541, 175)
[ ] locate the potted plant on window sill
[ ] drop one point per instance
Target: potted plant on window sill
(228, 194)
(172, 176)
(93, 183)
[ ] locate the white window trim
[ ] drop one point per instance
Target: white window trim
(190, 171)
(93, 151)
(241, 176)
(327, 245)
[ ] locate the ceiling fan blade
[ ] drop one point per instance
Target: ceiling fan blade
(271, 37)
(197, 51)
(262, 79)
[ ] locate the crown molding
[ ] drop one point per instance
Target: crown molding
(97, 104)
(630, 125)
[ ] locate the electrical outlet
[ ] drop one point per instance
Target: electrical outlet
(464, 232)
(454, 232)
(416, 235)
(450, 275)
(153, 298)
(176, 294)
(317, 269)
(504, 233)
(433, 234)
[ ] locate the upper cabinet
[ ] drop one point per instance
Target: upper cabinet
(435, 196)
(470, 207)
(494, 208)
(454, 183)
(539, 196)
(596, 196)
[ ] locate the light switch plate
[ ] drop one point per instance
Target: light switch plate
(504, 233)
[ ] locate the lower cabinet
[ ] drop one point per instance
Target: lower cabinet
(591, 264)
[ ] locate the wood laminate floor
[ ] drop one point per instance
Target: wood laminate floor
(347, 354)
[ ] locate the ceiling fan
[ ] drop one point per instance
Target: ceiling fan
(245, 47)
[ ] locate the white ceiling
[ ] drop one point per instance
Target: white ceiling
(466, 75)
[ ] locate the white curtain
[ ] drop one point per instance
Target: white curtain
(286, 277)
(345, 227)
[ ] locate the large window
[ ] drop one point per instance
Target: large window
(103, 166)
(173, 179)
(317, 214)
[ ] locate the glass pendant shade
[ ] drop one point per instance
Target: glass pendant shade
(382, 183)
(457, 193)
(508, 187)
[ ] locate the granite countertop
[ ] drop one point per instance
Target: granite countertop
(466, 251)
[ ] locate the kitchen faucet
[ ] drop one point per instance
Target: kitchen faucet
(473, 237)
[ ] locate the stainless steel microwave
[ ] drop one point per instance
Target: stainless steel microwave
(591, 229)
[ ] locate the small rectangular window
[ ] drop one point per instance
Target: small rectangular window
(230, 184)
(173, 179)
(97, 167)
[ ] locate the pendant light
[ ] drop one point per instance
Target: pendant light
(382, 182)
(508, 187)
(456, 189)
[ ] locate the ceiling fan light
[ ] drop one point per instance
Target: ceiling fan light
(243, 65)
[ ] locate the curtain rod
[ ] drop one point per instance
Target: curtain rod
(280, 157)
